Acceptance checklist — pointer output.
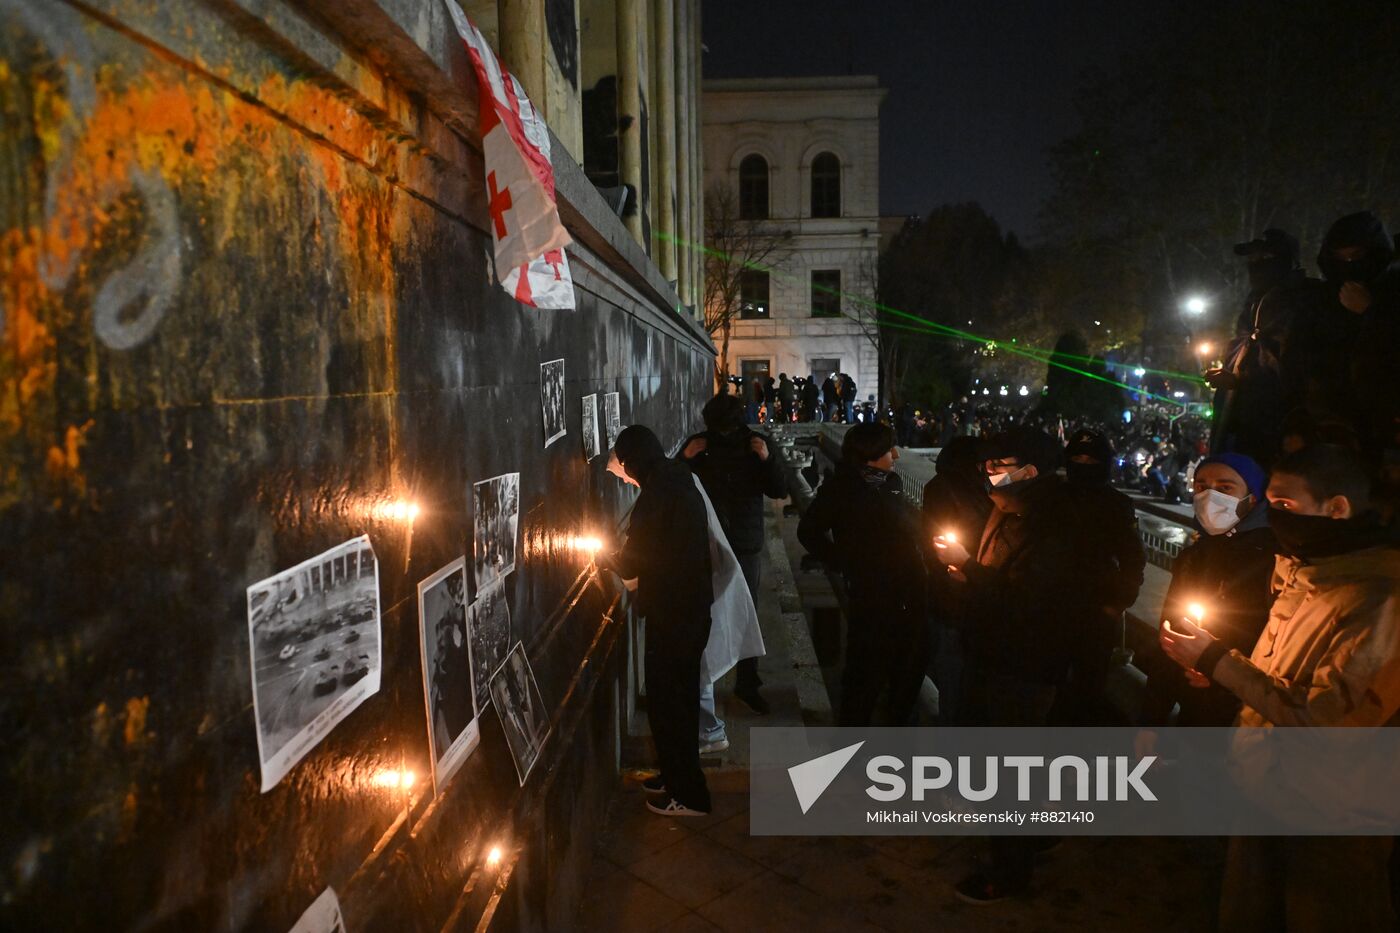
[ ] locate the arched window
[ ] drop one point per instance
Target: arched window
(826, 186)
(753, 188)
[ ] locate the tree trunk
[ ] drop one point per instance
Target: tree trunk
(722, 361)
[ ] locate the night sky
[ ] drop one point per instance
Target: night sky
(978, 89)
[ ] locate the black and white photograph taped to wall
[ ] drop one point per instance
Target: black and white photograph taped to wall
(447, 670)
(496, 520)
(314, 634)
(612, 417)
(522, 712)
(590, 427)
(488, 632)
(552, 400)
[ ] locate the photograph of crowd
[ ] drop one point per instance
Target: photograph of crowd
(590, 427)
(488, 632)
(612, 416)
(496, 519)
(314, 635)
(522, 712)
(447, 670)
(552, 400)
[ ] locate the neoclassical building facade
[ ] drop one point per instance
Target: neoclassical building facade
(801, 155)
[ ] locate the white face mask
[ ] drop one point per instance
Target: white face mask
(1015, 476)
(1216, 511)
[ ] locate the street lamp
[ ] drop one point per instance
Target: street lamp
(1195, 305)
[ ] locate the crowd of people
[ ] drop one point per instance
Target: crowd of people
(1011, 587)
(770, 401)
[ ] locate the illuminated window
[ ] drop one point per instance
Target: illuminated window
(753, 294)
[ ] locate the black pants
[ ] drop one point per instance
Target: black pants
(675, 642)
(997, 698)
(746, 678)
(886, 645)
(1307, 884)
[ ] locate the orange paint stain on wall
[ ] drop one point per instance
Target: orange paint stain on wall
(135, 730)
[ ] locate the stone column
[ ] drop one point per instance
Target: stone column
(522, 38)
(685, 113)
(697, 177)
(629, 107)
(663, 113)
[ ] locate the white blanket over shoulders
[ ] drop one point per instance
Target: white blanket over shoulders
(734, 631)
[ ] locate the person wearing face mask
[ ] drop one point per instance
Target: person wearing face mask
(1265, 369)
(737, 468)
(1329, 656)
(1108, 529)
(1227, 572)
(1026, 597)
(860, 524)
(667, 551)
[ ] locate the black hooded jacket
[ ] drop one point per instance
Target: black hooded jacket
(1230, 574)
(736, 481)
(956, 498)
(869, 533)
(668, 542)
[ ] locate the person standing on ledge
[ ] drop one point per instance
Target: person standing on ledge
(668, 553)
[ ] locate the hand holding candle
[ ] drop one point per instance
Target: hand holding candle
(949, 550)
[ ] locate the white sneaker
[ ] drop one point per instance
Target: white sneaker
(718, 745)
(674, 807)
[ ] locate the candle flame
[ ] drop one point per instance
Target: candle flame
(589, 543)
(1196, 613)
(392, 778)
(493, 858)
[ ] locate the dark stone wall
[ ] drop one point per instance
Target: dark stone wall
(245, 302)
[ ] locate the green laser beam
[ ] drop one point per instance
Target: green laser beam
(1037, 353)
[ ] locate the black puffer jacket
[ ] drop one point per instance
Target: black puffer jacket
(870, 534)
(736, 481)
(1229, 574)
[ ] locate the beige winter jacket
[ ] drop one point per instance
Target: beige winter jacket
(1330, 653)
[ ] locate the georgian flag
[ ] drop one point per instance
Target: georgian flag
(524, 218)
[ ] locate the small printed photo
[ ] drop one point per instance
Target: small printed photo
(488, 633)
(521, 708)
(496, 519)
(314, 634)
(612, 417)
(552, 400)
(323, 916)
(590, 427)
(447, 670)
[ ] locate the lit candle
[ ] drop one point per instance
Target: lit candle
(493, 858)
(1196, 612)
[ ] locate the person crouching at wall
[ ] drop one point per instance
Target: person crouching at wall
(668, 552)
(860, 525)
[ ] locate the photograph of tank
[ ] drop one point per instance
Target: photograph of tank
(314, 634)
(447, 670)
(521, 708)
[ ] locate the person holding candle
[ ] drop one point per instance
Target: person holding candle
(1329, 656)
(1227, 571)
(859, 524)
(667, 551)
(1024, 588)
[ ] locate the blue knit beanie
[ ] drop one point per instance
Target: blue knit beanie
(1255, 479)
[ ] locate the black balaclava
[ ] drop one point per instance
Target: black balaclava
(1093, 444)
(1271, 259)
(1309, 536)
(723, 414)
(1360, 229)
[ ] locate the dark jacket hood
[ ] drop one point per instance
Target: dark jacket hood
(1360, 229)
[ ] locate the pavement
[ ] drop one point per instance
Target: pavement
(708, 873)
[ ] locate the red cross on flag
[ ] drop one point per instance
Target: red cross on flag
(525, 227)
